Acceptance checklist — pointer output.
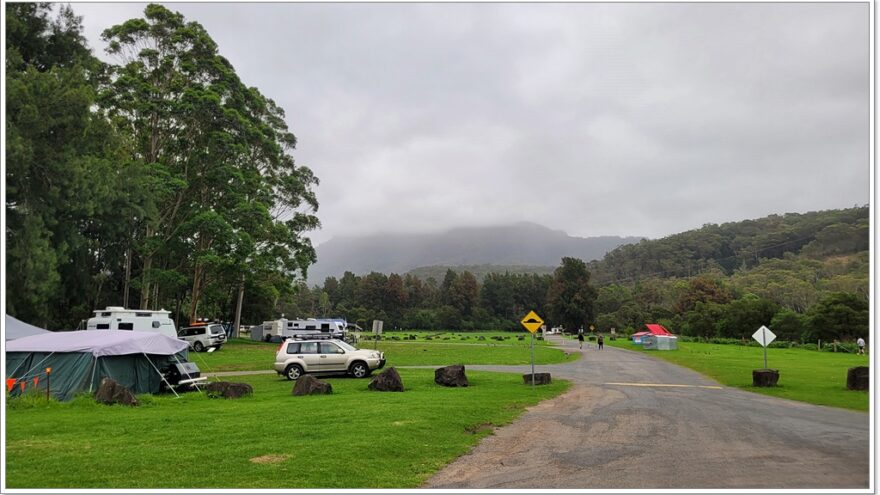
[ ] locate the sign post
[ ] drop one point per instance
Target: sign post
(377, 330)
(764, 336)
(532, 322)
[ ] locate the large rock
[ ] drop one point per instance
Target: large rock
(387, 381)
(228, 390)
(858, 378)
(451, 376)
(540, 378)
(309, 385)
(765, 378)
(111, 392)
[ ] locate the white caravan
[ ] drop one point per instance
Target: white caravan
(332, 328)
(139, 320)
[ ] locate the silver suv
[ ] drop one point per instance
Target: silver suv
(319, 356)
(203, 336)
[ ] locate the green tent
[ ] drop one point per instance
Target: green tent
(80, 360)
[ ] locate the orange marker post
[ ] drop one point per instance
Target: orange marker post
(48, 372)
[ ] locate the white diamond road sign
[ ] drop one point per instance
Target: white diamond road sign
(764, 336)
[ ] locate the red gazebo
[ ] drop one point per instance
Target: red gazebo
(653, 329)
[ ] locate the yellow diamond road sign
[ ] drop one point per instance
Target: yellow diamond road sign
(532, 322)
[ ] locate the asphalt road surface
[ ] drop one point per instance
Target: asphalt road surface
(632, 421)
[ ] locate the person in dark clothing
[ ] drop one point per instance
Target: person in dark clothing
(581, 339)
(601, 341)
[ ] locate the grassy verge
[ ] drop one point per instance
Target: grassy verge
(808, 376)
(244, 355)
(354, 438)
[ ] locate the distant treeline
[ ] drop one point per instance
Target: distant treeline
(805, 276)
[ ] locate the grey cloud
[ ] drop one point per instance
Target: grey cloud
(628, 119)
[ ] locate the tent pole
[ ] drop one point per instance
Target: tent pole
(160, 374)
(92, 381)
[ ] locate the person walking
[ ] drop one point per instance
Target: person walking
(601, 341)
(861, 344)
(581, 338)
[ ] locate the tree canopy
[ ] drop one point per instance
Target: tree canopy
(162, 180)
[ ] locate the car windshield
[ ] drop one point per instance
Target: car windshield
(346, 345)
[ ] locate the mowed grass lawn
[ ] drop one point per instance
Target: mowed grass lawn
(808, 376)
(354, 438)
(246, 355)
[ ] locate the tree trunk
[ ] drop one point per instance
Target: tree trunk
(196, 292)
(146, 286)
(235, 330)
(127, 277)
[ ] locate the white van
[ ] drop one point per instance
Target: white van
(139, 320)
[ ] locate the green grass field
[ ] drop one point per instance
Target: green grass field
(246, 355)
(354, 438)
(808, 376)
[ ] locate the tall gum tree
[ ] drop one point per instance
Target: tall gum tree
(231, 204)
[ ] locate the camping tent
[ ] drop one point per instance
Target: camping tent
(16, 329)
(80, 360)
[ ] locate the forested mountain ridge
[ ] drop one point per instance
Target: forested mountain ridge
(737, 245)
(522, 243)
(806, 276)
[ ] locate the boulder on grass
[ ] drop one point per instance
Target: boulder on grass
(540, 378)
(228, 390)
(451, 376)
(387, 381)
(858, 378)
(111, 392)
(309, 385)
(765, 378)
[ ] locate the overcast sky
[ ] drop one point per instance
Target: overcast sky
(596, 119)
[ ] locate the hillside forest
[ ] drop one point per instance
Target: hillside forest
(806, 276)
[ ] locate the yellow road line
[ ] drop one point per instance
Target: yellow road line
(665, 385)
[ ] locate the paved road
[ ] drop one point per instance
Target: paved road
(618, 427)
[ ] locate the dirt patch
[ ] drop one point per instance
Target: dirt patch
(269, 459)
(474, 429)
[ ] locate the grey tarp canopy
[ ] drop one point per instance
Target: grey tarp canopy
(16, 329)
(80, 360)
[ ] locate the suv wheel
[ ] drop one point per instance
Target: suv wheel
(198, 347)
(293, 372)
(359, 369)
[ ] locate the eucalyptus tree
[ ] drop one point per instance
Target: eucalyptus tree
(229, 202)
(60, 161)
(570, 297)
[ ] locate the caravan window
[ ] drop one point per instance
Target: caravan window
(156, 324)
(144, 314)
(103, 326)
(325, 326)
(126, 326)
